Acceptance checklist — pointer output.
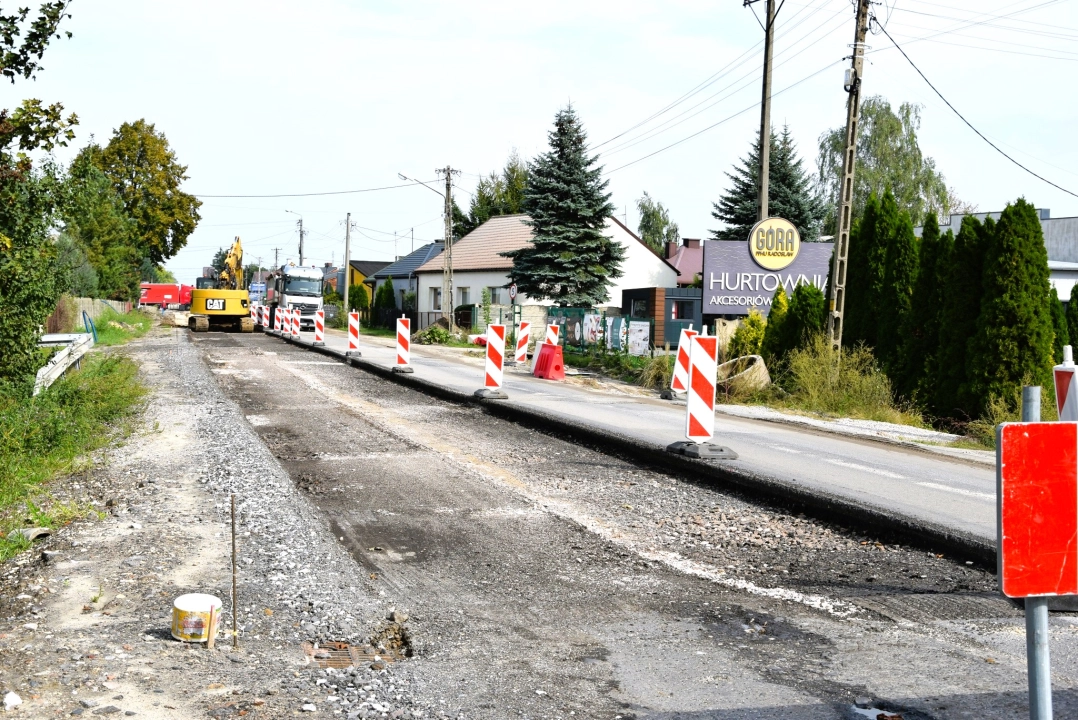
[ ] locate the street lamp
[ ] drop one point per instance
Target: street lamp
(447, 262)
(300, 234)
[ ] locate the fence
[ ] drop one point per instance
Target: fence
(95, 308)
(68, 313)
(582, 328)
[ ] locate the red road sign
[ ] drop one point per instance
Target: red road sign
(1037, 477)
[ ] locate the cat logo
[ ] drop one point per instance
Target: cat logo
(215, 303)
(774, 243)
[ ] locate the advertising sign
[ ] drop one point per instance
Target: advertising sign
(739, 276)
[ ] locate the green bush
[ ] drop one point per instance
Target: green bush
(433, 335)
(749, 336)
(358, 298)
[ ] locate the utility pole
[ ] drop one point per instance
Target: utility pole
(845, 204)
(275, 252)
(347, 258)
(301, 242)
(447, 271)
(765, 108)
(412, 231)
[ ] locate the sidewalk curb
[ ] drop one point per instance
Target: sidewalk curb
(821, 505)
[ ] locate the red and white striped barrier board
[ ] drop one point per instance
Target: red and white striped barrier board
(524, 336)
(353, 332)
(703, 369)
(254, 312)
(319, 327)
(265, 316)
(551, 334)
(295, 324)
(277, 321)
(1066, 387)
(495, 356)
(286, 323)
(404, 342)
(679, 381)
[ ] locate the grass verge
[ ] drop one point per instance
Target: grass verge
(115, 328)
(649, 372)
(48, 436)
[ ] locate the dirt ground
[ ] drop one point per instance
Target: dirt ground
(506, 573)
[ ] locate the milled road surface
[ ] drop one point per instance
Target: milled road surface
(546, 579)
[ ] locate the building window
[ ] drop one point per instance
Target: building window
(435, 298)
(498, 296)
(682, 310)
(639, 309)
(465, 296)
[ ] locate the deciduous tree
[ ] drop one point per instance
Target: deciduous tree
(655, 228)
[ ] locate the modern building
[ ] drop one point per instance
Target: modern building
(1060, 240)
(403, 272)
(478, 264)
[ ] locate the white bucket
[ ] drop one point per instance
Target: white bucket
(191, 616)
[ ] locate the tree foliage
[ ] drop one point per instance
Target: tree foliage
(1059, 326)
(806, 317)
(773, 346)
(1013, 342)
(23, 44)
(571, 261)
(499, 193)
(789, 193)
(896, 296)
(921, 329)
(655, 228)
(748, 339)
(889, 157)
(866, 265)
(147, 176)
(1072, 314)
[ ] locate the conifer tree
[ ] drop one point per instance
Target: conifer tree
(920, 330)
(866, 265)
(571, 261)
(749, 336)
(806, 317)
(958, 316)
(1059, 325)
(789, 193)
(1013, 343)
(900, 274)
(1072, 314)
(772, 347)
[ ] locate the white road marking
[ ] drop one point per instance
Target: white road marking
(864, 468)
(958, 491)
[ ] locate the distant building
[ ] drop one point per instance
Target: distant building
(687, 258)
(360, 271)
(403, 272)
(1060, 240)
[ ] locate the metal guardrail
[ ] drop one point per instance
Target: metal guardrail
(76, 345)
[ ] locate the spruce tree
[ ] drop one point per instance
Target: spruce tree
(1059, 325)
(1013, 343)
(772, 347)
(789, 193)
(958, 317)
(570, 261)
(1072, 314)
(900, 274)
(920, 330)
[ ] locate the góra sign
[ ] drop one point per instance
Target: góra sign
(739, 276)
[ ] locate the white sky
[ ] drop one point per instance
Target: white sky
(272, 97)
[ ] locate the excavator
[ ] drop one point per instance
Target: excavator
(225, 306)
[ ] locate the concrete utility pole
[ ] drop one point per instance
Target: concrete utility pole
(275, 252)
(300, 234)
(849, 156)
(447, 266)
(765, 109)
(347, 258)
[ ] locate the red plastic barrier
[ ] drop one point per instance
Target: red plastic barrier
(549, 363)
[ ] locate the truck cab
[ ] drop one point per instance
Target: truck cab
(296, 287)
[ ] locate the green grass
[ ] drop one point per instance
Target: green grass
(115, 328)
(48, 436)
(651, 372)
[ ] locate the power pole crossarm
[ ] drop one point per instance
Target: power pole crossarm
(845, 202)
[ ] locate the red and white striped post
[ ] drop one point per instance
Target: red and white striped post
(277, 321)
(552, 334)
(1066, 387)
(319, 327)
(679, 381)
(295, 323)
(254, 312)
(700, 408)
(404, 346)
(353, 334)
(265, 317)
(492, 389)
(524, 336)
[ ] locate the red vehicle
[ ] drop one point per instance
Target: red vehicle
(165, 295)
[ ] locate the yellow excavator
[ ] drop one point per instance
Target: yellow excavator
(225, 306)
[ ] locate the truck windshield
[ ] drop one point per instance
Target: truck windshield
(303, 286)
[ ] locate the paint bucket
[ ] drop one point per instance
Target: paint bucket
(191, 616)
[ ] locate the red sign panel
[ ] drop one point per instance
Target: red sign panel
(1037, 472)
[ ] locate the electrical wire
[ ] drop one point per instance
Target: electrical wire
(967, 122)
(315, 194)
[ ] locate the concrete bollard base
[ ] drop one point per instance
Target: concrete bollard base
(491, 394)
(403, 369)
(671, 395)
(353, 353)
(701, 451)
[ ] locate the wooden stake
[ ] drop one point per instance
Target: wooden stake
(235, 596)
(211, 628)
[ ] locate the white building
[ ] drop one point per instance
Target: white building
(478, 265)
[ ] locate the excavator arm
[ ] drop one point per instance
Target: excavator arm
(231, 277)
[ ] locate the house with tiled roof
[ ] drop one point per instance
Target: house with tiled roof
(403, 272)
(478, 264)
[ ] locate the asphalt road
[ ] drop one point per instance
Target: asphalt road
(929, 487)
(545, 579)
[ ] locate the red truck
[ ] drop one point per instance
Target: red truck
(165, 295)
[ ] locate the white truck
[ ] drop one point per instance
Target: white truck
(295, 287)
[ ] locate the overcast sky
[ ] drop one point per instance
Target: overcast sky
(319, 96)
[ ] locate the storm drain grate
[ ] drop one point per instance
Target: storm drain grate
(333, 654)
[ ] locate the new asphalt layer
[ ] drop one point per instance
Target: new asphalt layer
(941, 502)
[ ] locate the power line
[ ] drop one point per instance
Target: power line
(967, 122)
(314, 194)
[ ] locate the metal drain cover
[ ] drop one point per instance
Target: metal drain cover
(335, 654)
